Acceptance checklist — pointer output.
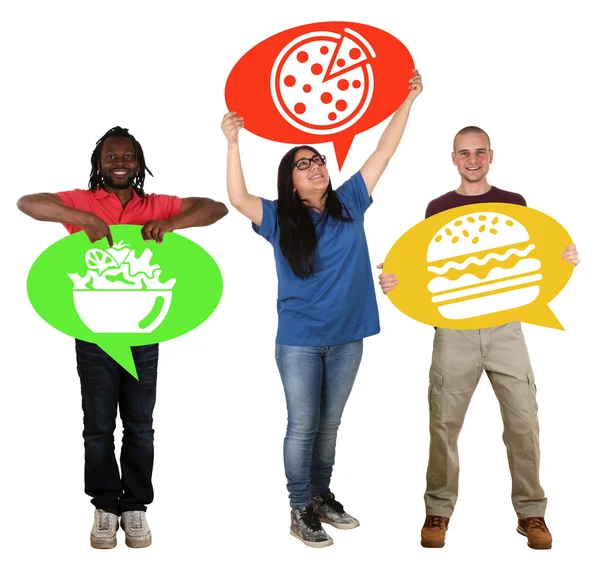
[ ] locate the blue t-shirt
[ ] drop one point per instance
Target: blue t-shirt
(336, 304)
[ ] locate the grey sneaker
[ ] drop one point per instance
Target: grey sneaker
(137, 532)
(331, 512)
(104, 531)
(307, 528)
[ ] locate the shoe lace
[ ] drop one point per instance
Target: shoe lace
(537, 523)
(433, 521)
(103, 521)
(311, 520)
(334, 505)
(135, 520)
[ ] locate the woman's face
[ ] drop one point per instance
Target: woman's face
(312, 181)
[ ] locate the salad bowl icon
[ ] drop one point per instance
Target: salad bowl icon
(120, 292)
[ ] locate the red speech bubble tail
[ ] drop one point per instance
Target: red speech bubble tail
(342, 145)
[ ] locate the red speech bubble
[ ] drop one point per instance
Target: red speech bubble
(320, 82)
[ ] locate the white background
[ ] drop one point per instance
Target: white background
(524, 71)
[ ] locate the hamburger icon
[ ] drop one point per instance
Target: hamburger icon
(482, 264)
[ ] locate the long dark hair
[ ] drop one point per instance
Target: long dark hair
(96, 179)
(298, 237)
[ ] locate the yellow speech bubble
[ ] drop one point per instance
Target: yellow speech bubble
(479, 266)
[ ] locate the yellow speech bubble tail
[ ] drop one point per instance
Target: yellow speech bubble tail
(541, 315)
(122, 355)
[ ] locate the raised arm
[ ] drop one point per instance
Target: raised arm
(49, 207)
(247, 204)
(374, 167)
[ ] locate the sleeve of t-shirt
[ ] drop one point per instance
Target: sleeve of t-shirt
(168, 205)
(354, 194)
(429, 211)
(74, 199)
(268, 225)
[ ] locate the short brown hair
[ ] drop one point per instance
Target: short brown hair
(471, 130)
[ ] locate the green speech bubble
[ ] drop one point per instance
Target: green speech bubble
(135, 293)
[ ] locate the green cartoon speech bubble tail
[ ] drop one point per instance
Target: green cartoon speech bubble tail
(121, 353)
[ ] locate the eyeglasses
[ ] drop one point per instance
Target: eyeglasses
(304, 163)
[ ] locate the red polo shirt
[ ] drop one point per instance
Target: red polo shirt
(108, 207)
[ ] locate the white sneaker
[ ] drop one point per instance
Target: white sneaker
(137, 532)
(104, 531)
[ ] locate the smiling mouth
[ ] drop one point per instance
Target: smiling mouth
(119, 173)
(316, 176)
(472, 169)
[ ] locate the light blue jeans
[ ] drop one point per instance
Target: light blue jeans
(317, 382)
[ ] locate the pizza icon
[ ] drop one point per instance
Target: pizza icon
(322, 82)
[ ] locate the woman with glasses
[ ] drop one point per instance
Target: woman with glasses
(326, 304)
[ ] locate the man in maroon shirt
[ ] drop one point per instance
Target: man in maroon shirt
(458, 360)
(116, 196)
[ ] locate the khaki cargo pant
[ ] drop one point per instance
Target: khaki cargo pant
(459, 358)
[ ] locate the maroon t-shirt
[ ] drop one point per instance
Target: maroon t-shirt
(452, 199)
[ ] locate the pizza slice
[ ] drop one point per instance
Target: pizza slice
(350, 52)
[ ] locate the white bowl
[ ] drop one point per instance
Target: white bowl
(120, 311)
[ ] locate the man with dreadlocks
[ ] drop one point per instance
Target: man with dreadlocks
(116, 196)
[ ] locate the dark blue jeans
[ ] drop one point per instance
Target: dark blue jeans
(106, 386)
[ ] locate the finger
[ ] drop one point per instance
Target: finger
(570, 254)
(380, 265)
(161, 235)
(233, 120)
(229, 114)
(155, 233)
(234, 128)
(146, 231)
(570, 247)
(109, 238)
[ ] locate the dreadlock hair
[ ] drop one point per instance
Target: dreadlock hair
(96, 179)
(298, 237)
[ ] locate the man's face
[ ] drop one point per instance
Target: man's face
(472, 156)
(117, 163)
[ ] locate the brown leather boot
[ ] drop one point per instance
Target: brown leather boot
(433, 533)
(536, 531)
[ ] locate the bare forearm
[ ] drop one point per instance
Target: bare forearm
(390, 139)
(204, 212)
(248, 205)
(378, 161)
(45, 208)
(236, 185)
